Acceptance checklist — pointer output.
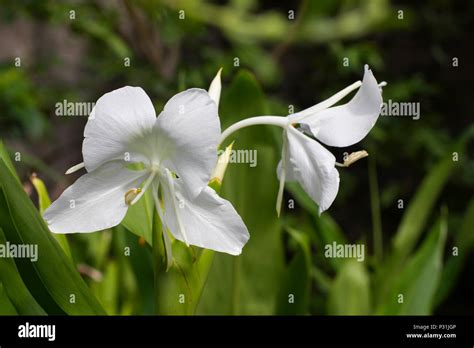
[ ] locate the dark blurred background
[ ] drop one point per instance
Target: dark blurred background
(77, 51)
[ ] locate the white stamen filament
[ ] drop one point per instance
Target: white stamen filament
(282, 175)
(75, 168)
(280, 121)
(175, 206)
(326, 103)
(147, 183)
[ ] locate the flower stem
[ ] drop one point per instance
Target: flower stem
(375, 207)
(159, 264)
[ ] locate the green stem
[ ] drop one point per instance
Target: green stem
(375, 209)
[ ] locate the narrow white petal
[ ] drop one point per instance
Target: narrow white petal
(311, 111)
(348, 124)
(96, 201)
(117, 117)
(166, 237)
(210, 221)
(188, 132)
(215, 88)
(313, 167)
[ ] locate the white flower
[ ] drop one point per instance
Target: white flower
(304, 159)
(178, 150)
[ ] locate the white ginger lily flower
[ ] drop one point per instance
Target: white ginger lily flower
(304, 159)
(178, 150)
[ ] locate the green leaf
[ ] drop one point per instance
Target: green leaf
(418, 280)
(414, 219)
(53, 278)
(141, 262)
(248, 284)
(327, 230)
(181, 286)
(6, 307)
(464, 242)
(295, 287)
(19, 295)
(350, 291)
(107, 289)
(6, 158)
(420, 207)
(43, 196)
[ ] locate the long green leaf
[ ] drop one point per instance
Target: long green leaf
(294, 294)
(6, 306)
(6, 158)
(140, 216)
(420, 207)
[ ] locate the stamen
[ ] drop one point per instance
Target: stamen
(75, 168)
(282, 175)
(145, 187)
(175, 206)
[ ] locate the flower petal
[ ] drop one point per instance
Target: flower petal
(117, 117)
(210, 221)
(96, 201)
(313, 167)
(188, 132)
(348, 124)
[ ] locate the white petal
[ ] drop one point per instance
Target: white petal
(188, 132)
(348, 124)
(96, 201)
(117, 117)
(313, 167)
(215, 88)
(210, 221)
